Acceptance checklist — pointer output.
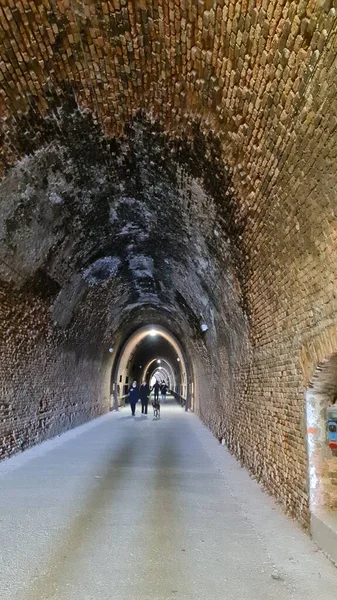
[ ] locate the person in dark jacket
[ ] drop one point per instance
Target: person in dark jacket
(144, 392)
(156, 389)
(133, 397)
(163, 390)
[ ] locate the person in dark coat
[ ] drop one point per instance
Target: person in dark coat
(163, 390)
(156, 389)
(133, 397)
(144, 392)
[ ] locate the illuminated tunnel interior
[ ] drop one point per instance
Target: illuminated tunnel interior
(154, 354)
(169, 165)
(150, 353)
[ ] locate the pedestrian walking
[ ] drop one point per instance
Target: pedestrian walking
(163, 390)
(156, 389)
(133, 397)
(144, 392)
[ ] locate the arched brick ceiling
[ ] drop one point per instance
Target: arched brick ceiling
(120, 168)
(240, 67)
(216, 88)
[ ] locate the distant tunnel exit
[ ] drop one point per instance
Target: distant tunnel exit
(152, 354)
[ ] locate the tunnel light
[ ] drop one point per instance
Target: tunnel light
(203, 327)
(111, 350)
(153, 333)
(158, 361)
(178, 359)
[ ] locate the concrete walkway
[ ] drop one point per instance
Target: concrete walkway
(135, 509)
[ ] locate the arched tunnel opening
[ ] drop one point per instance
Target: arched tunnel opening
(152, 353)
(171, 167)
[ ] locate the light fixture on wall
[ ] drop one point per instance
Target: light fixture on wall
(178, 359)
(203, 325)
(158, 361)
(111, 350)
(153, 333)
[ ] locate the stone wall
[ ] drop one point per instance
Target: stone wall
(292, 288)
(51, 378)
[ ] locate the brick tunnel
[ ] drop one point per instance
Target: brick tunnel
(169, 166)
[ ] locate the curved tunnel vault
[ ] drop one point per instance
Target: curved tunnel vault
(164, 371)
(169, 163)
(142, 354)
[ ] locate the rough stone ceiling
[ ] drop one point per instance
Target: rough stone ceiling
(147, 134)
(241, 67)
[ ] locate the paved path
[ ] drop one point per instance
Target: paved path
(138, 509)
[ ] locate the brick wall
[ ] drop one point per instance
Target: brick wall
(292, 295)
(50, 380)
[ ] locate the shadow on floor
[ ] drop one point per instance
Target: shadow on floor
(47, 581)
